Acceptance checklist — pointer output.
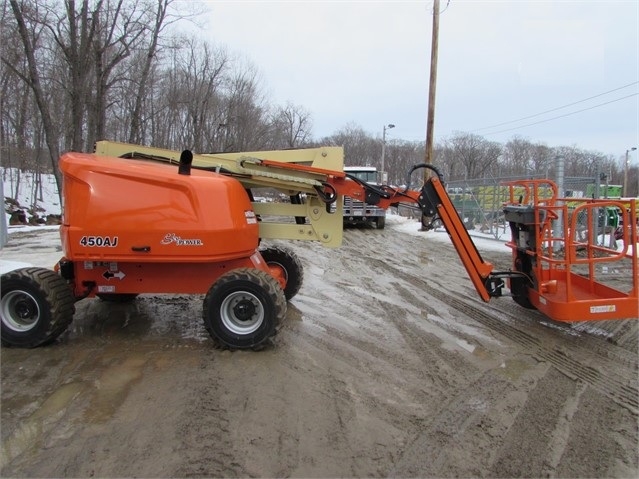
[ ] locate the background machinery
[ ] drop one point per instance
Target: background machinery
(145, 220)
(358, 212)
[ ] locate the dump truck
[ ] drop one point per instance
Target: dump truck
(141, 220)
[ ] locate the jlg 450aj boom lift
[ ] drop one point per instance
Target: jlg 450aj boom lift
(144, 220)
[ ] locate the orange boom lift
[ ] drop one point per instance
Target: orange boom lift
(145, 220)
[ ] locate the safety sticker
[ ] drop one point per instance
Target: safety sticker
(250, 217)
(110, 274)
(106, 289)
(608, 308)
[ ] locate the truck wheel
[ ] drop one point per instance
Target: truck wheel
(381, 222)
(117, 297)
(243, 308)
(36, 306)
(290, 264)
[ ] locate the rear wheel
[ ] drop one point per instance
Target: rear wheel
(36, 306)
(290, 266)
(243, 308)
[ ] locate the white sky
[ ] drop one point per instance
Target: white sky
(368, 62)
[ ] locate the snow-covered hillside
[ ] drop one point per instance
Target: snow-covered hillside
(20, 192)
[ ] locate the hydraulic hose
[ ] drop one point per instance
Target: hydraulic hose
(367, 186)
(328, 198)
(420, 166)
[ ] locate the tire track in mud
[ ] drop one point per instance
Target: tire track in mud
(610, 340)
(622, 390)
(615, 375)
(205, 432)
(443, 367)
(362, 360)
(468, 425)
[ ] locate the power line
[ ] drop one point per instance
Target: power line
(560, 116)
(555, 109)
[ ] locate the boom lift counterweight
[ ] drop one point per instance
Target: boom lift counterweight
(133, 225)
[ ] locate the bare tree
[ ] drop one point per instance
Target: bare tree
(516, 158)
(541, 159)
(475, 154)
(360, 149)
(160, 20)
(119, 29)
(292, 126)
(246, 113)
(30, 35)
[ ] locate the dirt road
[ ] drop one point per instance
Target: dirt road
(388, 365)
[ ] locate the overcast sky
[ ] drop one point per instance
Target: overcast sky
(368, 62)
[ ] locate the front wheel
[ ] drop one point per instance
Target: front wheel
(243, 308)
(381, 222)
(36, 306)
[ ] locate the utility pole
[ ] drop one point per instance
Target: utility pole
(430, 122)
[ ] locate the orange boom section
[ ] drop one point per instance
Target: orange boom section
(119, 210)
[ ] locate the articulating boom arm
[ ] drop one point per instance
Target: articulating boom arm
(434, 202)
(317, 175)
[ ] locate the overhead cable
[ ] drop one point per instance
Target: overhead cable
(558, 108)
(560, 116)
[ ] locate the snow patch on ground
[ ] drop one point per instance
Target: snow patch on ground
(42, 249)
(412, 226)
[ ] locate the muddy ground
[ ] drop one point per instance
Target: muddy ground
(388, 365)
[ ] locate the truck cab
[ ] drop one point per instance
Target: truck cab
(357, 212)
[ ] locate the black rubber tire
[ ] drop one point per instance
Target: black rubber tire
(519, 285)
(243, 308)
(36, 306)
(117, 297)
(290, 263)
(519, 290)
(381, 222)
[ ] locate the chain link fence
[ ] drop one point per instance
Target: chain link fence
(480, 203)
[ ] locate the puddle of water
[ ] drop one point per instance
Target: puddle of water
(466, 329)
(452, 342)
(148, 316)
(465, 345)
(112, 388)
(30, 432)
(513, 368)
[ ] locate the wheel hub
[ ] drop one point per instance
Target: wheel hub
(244, 310)
(23, 309)
(20, 311)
